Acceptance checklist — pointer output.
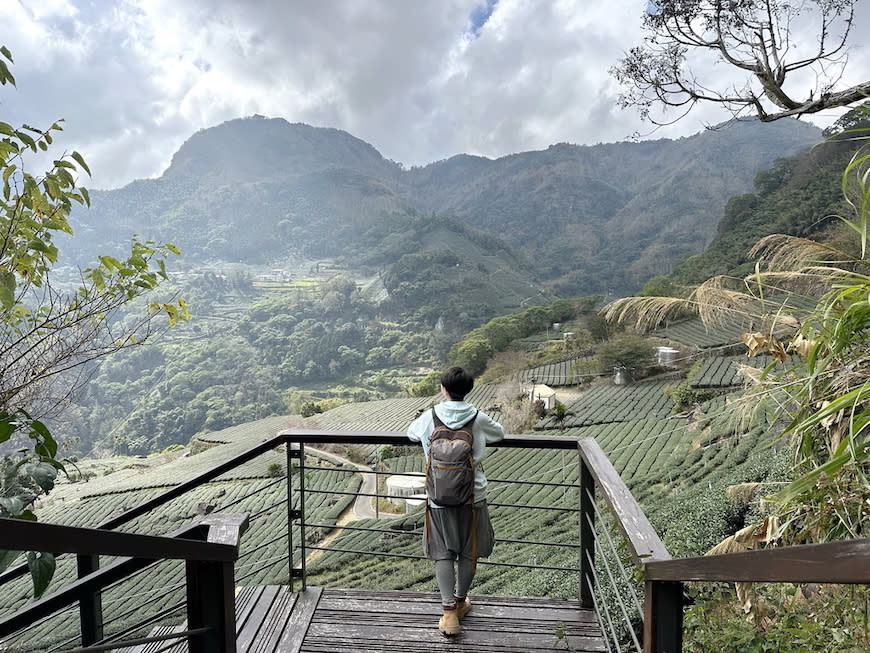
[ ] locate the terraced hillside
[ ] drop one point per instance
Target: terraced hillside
(666, 459)
(558, 373)
(723, 371)
(258, 488)
(659, 454)
(605, 402)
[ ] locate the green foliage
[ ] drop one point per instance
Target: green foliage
(828, 618)
(685, 395)
(798, 195)
(478, 346)
(427, 386)
(661, 286)
(23, 479)
(559, 413)
(47, 330)
(310, 408)
(828, 389)
(583, 219)
(635, 353)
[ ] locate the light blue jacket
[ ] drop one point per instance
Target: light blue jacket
(454, 414)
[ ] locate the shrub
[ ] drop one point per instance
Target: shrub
(635, 353)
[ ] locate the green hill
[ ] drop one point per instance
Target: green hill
(589, 219)
(799, 195)
(659, 456)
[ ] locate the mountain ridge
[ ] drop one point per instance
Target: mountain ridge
(591, 218)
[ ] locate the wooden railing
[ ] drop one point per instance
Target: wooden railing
(663, 599)
(209, 548)
(846, 562)
(603, 497)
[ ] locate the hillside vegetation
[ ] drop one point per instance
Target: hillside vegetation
(798, 195)
(589, 219)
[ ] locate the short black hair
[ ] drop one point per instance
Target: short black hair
(457, 382)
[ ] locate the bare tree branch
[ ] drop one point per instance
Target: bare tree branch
(752, 36)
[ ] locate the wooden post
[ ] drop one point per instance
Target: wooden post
(587, 535)
(211, 589)
(663, 617)
(211, 603)
(91, 605)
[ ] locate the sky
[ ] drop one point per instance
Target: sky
(420, 80)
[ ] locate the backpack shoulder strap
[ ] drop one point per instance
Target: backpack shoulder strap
(437, 420)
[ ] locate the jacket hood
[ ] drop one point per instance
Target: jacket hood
(455, 413)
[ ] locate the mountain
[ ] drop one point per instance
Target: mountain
(799, 195)
(587, 219)
(607, 217)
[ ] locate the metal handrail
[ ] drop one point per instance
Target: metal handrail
(841, 562)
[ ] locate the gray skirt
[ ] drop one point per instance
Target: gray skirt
(458, 531)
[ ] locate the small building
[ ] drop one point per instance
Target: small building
(543, 393)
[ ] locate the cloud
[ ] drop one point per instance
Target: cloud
(420, 81)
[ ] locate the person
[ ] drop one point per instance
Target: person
(455, 536)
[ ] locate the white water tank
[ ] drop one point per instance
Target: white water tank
(399, 487)
(414, 501)
(667, 356)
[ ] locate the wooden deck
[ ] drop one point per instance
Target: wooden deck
(272, 619)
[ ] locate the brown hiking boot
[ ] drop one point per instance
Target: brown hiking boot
(463, 607)
(449, 622)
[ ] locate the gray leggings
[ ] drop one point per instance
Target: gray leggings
(451, 583)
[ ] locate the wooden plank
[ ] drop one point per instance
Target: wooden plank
(445, 646)
(480, 607)
(248, 629)
(405, 595)
(364, 621)
(226, 528)
(500, 621)
(383, 637)
(299, 621)
(833, 562)
(277, 621)
(246, 599)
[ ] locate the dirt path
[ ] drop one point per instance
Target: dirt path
(361, 508)
(343, 519)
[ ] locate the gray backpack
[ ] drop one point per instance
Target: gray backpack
(450, 467)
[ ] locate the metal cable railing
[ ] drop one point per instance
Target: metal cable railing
(601, 608)
(283, 537)
(306, 475)
(615, 591)
(60, 615)
(269, 549)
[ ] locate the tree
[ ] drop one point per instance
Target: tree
(560, 413)
(632, 352)
(756, 38)
(49, 327)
